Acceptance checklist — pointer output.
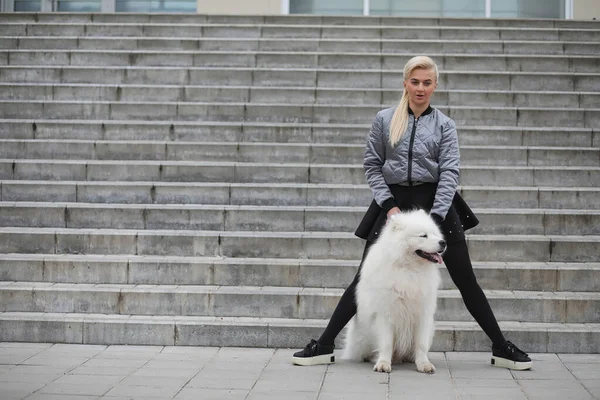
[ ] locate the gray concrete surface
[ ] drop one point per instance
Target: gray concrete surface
(68, 372)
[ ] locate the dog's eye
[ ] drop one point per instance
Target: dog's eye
(423, 235)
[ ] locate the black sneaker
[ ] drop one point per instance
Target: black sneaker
(511, 357)
(314, 354)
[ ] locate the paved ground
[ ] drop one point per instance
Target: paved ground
(69, 372)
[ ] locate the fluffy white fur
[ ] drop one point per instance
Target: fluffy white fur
(397, 295)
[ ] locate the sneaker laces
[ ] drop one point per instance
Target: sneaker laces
(312, 346)
(511, 348)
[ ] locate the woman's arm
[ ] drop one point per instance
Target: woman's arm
(449, 167)
(373, 163)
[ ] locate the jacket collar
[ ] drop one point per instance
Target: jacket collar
(427, 111)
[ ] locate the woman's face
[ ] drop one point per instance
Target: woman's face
(420, 84)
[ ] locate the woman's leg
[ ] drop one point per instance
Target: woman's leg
(504, 353)
(345, 309)
(459, 266)
(321, 351)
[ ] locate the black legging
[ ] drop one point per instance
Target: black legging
(459, 266)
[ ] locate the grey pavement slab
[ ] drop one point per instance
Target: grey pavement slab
(143, 391)
(187, 373)
(496, 388)
(211, 394)
(584, 371)
(593, 386)
(551, 368)
(555, 389)
(19, 390)
(225, 379)
(95, 389)
(9, 377)
(256, 373)
(47, 396)
(580, 358)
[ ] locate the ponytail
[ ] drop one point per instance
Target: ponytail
(399, 120)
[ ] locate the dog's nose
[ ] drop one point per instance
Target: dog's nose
(443, 243)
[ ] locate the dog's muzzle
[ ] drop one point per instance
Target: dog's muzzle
(434, 257)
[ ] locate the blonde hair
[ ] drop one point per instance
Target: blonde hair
(400, 118)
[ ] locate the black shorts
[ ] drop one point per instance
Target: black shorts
(459, 218)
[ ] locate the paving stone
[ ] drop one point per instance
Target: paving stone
(110, 370)
(50, 360)
(9, 377)
(19, 390)
(582, 371)
(478, 370)
(547, 366)
(14, 356)
(297, 381)
(557, 389)
(347, 396)
(48, 396)
(374, 384)
(162, 373)
(593, 386)
(142, 391)
(95, 389)
(154, 381)
(130, 351)
(217, 379)
(580, 358)
(211, 394)
(78, 379)
(122, 361)
(278, 394)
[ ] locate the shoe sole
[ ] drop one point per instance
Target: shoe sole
(515, 365)
(316, 360)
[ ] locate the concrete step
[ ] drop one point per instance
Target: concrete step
(272, 219)
(270, 332)
(278, 152)
(428, 46)
(307, 113)
(275, 95)
(301, 245)
(319, 29)
(219, 271)
(324, 60)
(273, 302)
(536, 197)
(237, 172)
(217, 131)
(298, 77)
(163, 18)
(278, 194)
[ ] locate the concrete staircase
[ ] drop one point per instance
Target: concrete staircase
(195, 180)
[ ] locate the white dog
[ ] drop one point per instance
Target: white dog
(397, 294)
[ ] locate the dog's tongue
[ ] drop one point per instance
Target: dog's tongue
(437, 258)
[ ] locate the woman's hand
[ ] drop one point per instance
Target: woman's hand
(392, 211)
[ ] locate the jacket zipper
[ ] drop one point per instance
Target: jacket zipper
(410, 151)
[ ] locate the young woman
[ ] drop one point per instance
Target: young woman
(412, 160)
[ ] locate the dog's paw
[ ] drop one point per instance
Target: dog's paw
(426, 367)
(383, 366)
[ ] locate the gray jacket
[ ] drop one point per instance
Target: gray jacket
(426, 153)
